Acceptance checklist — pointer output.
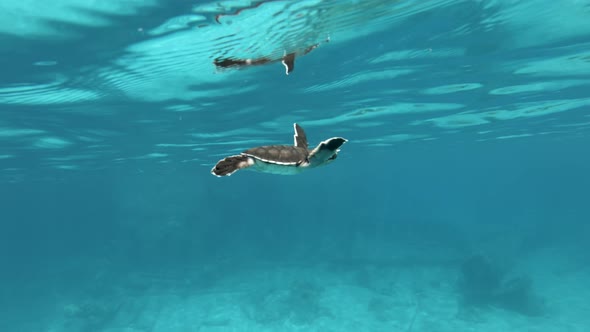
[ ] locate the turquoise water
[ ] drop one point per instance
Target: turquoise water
(459, 203)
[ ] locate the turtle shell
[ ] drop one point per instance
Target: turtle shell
(279, 154)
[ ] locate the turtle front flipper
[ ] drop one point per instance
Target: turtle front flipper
(288, 61)
(326, 151)
(299, 138)
(230, 165)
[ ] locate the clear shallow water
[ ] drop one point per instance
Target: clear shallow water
(460, 201)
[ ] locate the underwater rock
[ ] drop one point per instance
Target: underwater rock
(483, 284)
(479, 281)
(517, 294)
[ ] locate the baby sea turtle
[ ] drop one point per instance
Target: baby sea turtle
(282, 159)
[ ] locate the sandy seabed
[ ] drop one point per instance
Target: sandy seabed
(320, 297)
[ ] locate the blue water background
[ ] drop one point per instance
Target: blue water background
(107, 200)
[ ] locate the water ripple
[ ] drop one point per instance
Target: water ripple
(43, 94)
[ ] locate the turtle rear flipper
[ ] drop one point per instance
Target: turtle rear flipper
(230, 165)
